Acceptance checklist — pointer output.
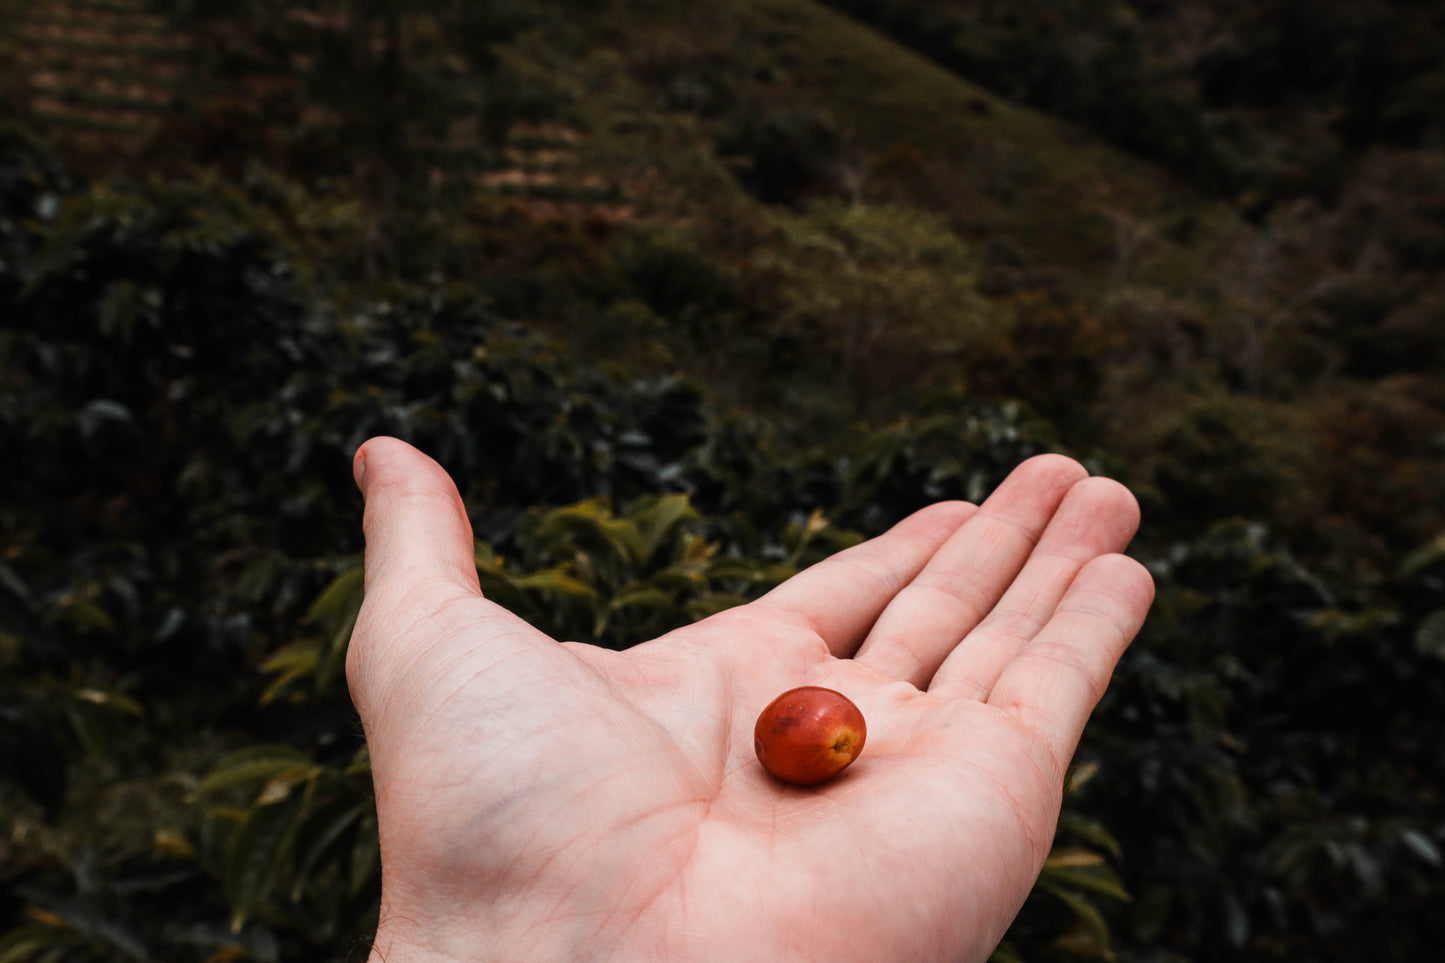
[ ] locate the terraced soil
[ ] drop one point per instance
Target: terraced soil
(115, 86)
(99, 78)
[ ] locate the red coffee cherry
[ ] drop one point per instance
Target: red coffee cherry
(808, 735)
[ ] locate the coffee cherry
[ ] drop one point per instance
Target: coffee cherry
(809, 734)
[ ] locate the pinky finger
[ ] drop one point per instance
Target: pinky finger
(1054, 683)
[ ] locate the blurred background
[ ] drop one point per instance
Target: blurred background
(687, 297)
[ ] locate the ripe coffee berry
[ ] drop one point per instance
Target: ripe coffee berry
(808, 735)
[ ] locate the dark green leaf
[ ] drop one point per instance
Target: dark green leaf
(1090, 922)
(1430, 635)
(319, 834)
(263, 845)
(365, 853)
(254, 764)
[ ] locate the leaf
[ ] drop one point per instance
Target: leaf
(340, 598)
(230, 953)
(1080, 941)
(1091, 878)
(502, 589)
(16, 585)
(1094, 930)
(101, 412)
(557, 582)
(173, 843)
(1150, 913)
(655, 519)
(253, 764)
(712, 603)
(1422, 845)
(260, 847)
(696, 550)
(1430, 635)
(1072, 856)
(1236, 921)
(796, 538)
(319, 832)
(1079, 776)
(84, 917)
(592, 524)
(21, 945)
(110, 700)
(337, 607)
(1076, 827)
(290, 663)
(637, 595)
(678, 580)
(365, 853)
(642, 595)
(733, 569)
(279, 786)
(1430, 554)
(360, 764)
(334, 658)
(80, 614)
(486, 557)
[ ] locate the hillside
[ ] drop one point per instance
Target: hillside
(1150, 320)
(739, 284)
(1137, 312)
(1162, 313)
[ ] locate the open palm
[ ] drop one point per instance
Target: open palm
(557, 801)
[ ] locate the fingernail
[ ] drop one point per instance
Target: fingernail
(358, 469)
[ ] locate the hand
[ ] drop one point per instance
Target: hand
(557, 801)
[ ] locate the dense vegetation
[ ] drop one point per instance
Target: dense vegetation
(685, 300)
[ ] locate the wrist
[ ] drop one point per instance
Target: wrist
(506, 931)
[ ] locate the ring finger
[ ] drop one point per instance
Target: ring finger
(970, 573)
(1097, 517)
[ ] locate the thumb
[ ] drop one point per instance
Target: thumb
(415, 525)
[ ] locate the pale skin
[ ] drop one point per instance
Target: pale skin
(544, 800)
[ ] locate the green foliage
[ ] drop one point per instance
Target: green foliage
(785, 155)
(170, 371)
(1066, 912)
(302, 851)
(680, 282)
(188, 360)
(1263, 100)
(899, 287)
(1283, 794)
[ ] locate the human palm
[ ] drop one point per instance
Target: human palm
(544, 800)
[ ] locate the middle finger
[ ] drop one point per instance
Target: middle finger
(965, 579)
